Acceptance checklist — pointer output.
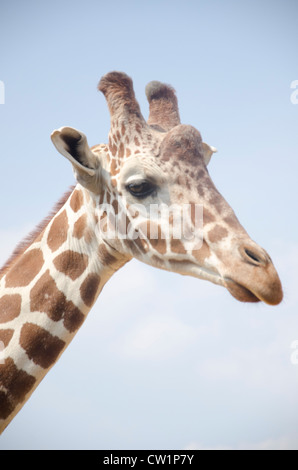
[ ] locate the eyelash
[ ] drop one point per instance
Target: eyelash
(141, 190)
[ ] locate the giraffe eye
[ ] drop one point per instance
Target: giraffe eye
(141, 189)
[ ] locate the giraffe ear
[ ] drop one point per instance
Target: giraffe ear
(208, 151)
(73, 145)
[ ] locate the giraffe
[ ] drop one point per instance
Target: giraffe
(54, 277)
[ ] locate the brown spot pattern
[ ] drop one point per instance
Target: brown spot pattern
(114, 167)
(121, 151)
(177, 247)
(217, 234)
(208, 217)
(113, 148)
(105, 257)
(77, 200)
(71, 263)
(25, 269)
(115, 206)
(202, 253)
(232, 221)
(15, 385)
(80, 227)
(46, 297)
(35, 235)
(58, 231)
(101, 198)
(217, 201)
(10, 307)
(5, 336)
(89, 288)
(88, 234)
(41, 347)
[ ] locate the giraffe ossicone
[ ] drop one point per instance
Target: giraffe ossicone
(150, 188)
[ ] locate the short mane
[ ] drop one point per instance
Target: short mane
(29, 239)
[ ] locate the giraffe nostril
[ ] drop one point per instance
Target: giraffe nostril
(252, 255)
(255, 256)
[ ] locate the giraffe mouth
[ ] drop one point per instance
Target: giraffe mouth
(240, 292)
(269, 292)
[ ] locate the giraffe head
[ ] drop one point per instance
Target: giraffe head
(154, 199)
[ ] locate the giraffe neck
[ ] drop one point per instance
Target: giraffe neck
(45, 296)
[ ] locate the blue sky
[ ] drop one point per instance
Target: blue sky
(163, 361)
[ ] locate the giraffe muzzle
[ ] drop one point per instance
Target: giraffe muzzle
(254, 278)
